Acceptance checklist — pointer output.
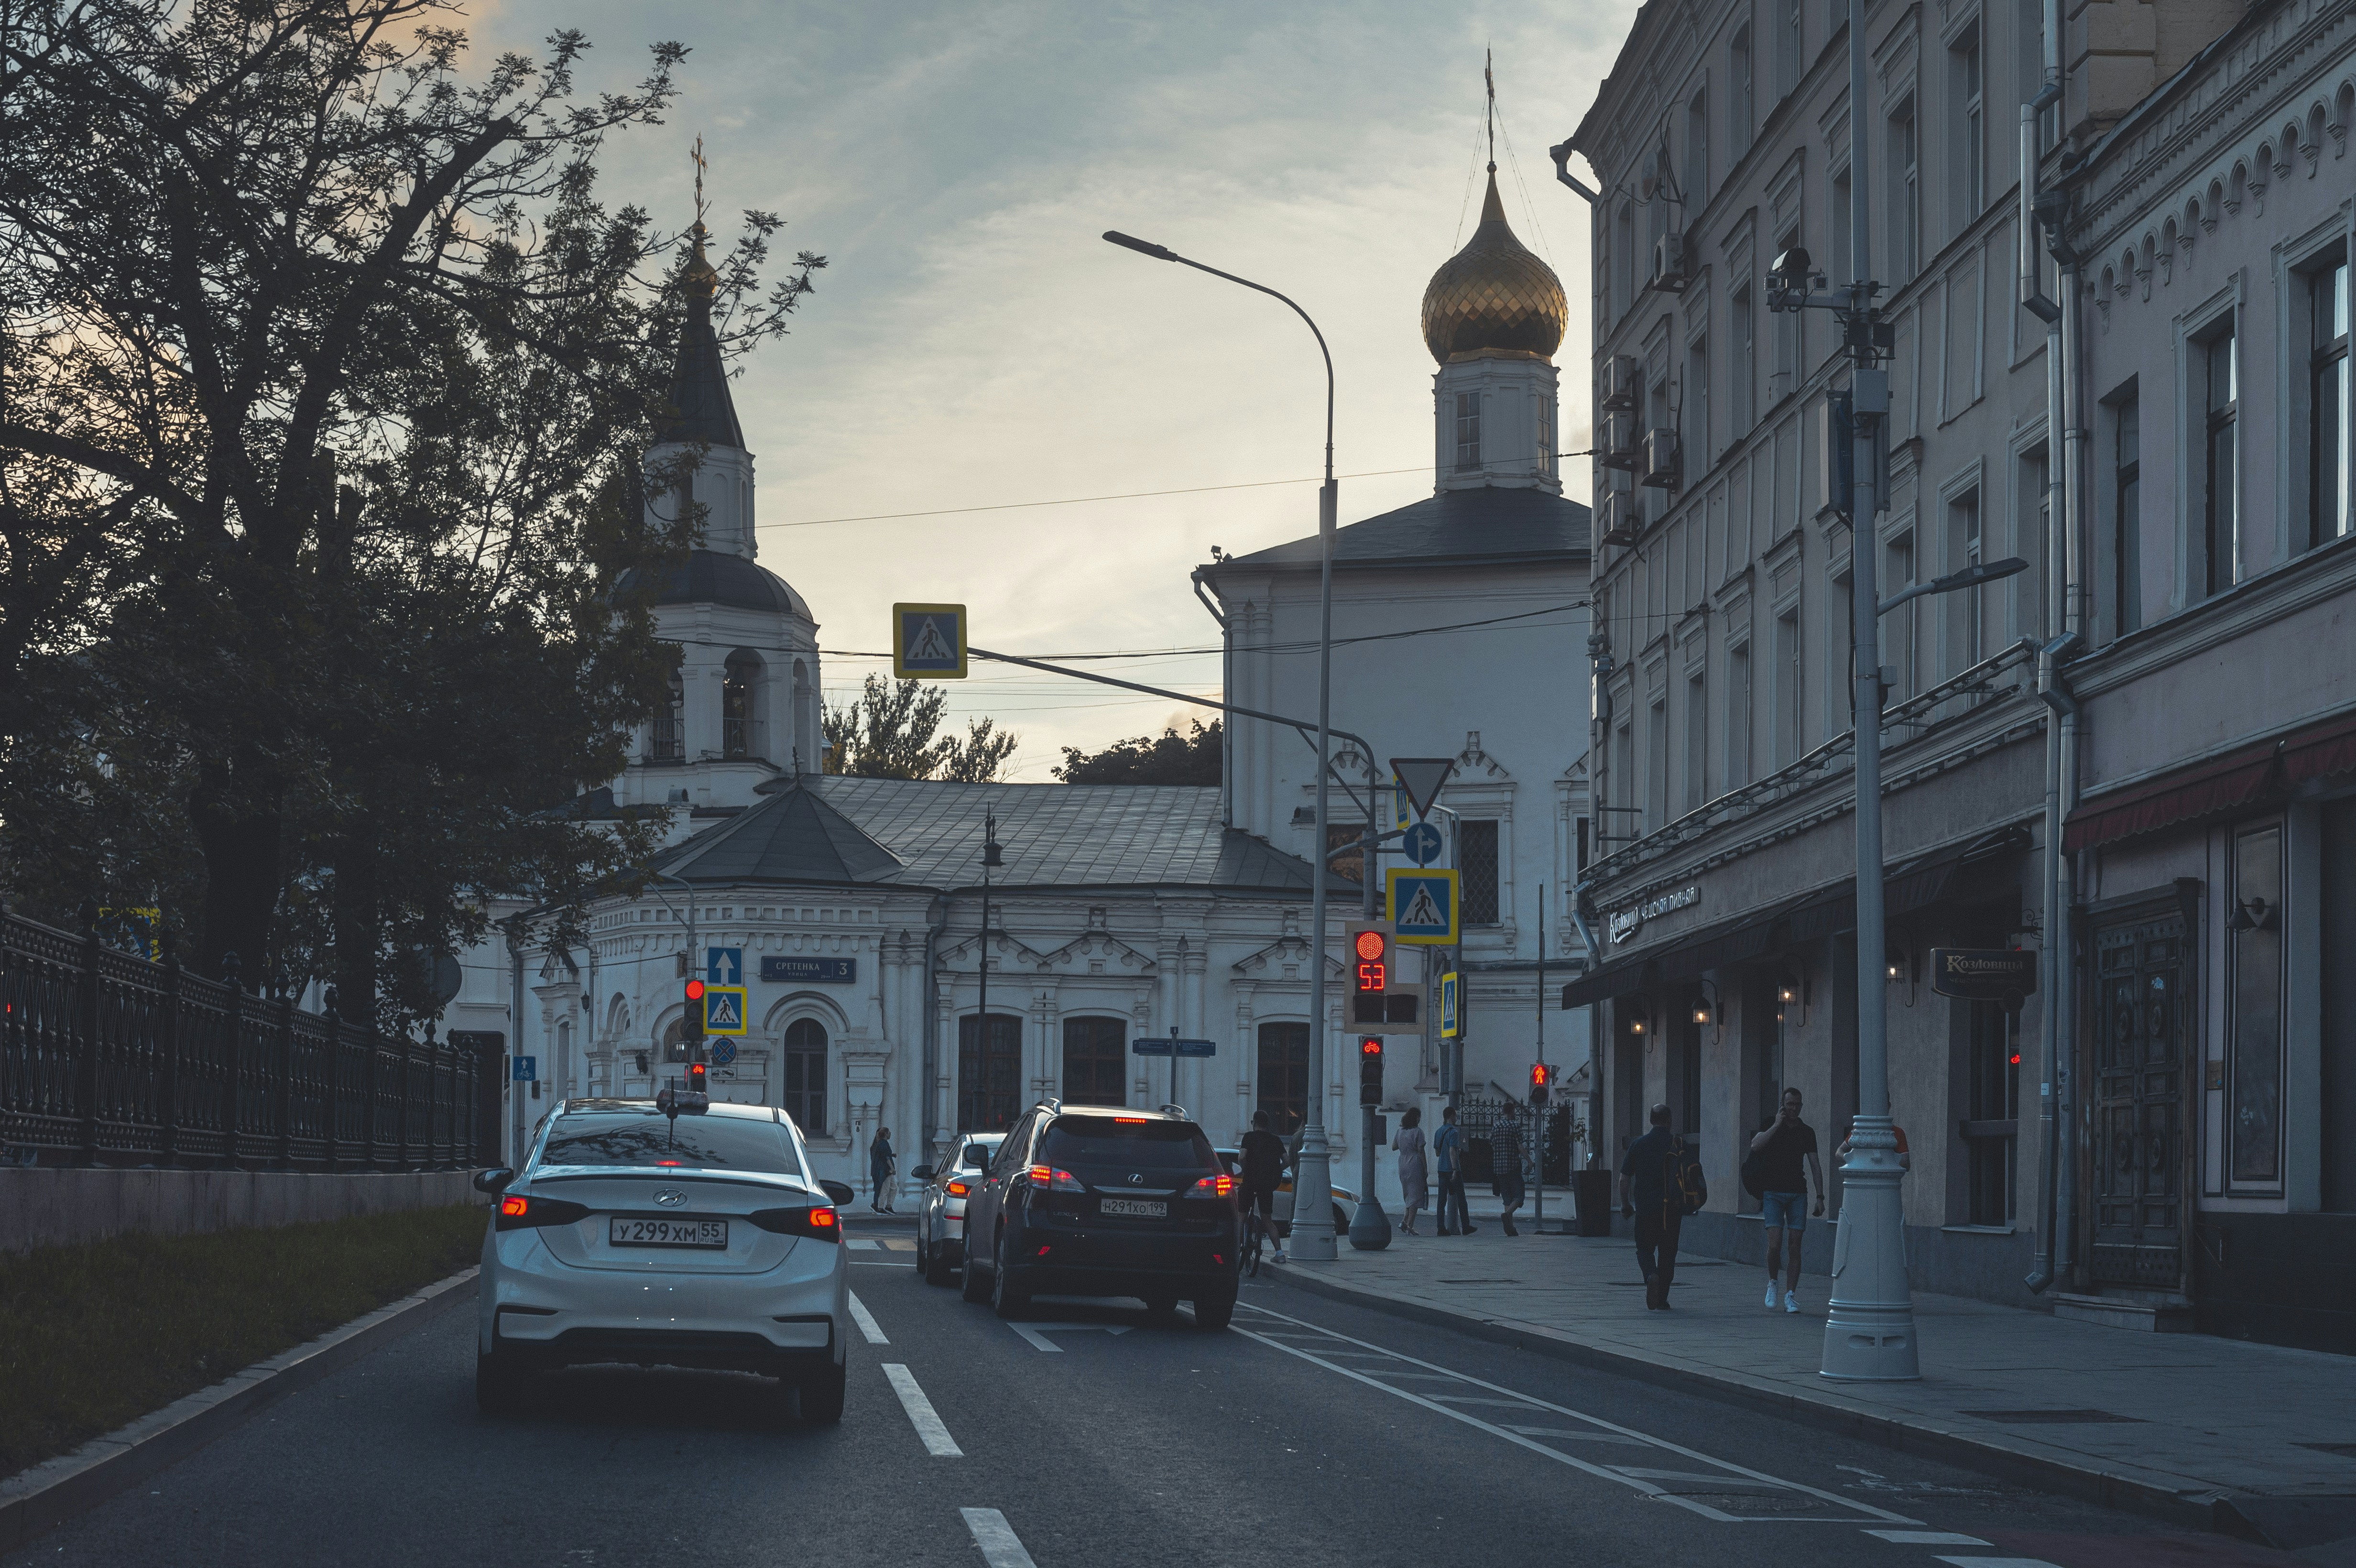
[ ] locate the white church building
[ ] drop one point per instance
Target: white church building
(852, 909)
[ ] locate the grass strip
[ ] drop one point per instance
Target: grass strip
(96, 1335)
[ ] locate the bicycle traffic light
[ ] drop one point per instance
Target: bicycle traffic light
(698, 1078)
(1370, 1070)
(1540, 1076)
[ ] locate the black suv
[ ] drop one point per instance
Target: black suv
(1104, 1200)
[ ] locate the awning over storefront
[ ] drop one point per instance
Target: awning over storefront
(2214, 786)
(1968, 873)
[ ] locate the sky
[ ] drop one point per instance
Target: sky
(974, 344)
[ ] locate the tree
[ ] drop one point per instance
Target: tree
(887, 732)
(1170, 759)
(326, 376)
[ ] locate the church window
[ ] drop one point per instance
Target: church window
(1468, 431)
(1547, 455)
(1095, 1053)
(670, 725)
(1476, 853)
(1283, 1078)
(990, 1072)
(739, 729)
(805, 1076)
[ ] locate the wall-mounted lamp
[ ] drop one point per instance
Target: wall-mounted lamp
(1635, 1017)
(1791, 991)
(2250, 914)
(1706, 1003)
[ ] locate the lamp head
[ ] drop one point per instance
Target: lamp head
(1143, 247)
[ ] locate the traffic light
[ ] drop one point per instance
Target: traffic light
(1370, 949)
(1370, 1070)
(698, 1078)
(1377, 1001)
(1541, 1075)
(691, 1028)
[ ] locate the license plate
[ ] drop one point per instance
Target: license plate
(1135, 1208)
(669, 1233)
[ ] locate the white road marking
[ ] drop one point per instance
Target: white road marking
(1927, 1538)
(860, 1246)
(1999, 1563)
(1725, 1468)
(1575, 1436)
(1037, 1332)
(866, 1321)
(870, 1263)
(1000, 1546)
(921, 1415)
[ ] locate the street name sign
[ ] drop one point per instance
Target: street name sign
(724, 1009)
(928, 642)
(1195, 1047)
(1151, 1045)
(810, 971)
(1423, 905)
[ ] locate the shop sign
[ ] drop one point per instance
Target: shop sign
(1627, 922)
(2004, 975)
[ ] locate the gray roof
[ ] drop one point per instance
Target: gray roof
(922, 832)
(718, 577)
(1486, 527)
(701, 407)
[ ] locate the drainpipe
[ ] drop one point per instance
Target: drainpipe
(2055, 1187)
(928, 1127)
(1594, 1029)
(1226, 692)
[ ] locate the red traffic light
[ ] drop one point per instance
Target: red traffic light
(1538, 1075)
(697, 1073)
(695, 990)
(1372, 945)
(1370, 1045)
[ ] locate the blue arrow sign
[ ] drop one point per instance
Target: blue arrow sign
(527, 1068)
(1421, 844)
(723, 965)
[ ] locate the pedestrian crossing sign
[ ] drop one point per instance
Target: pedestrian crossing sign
(928, 642)
(1449, 1026)
(1423, 906)
(724, 1009)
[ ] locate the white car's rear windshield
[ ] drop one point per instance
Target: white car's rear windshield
(693, 1142)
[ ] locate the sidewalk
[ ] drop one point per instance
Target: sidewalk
(2196, 1428)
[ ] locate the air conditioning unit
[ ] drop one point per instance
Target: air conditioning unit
(1669, 263)
(1661, 459)
(1617, 518)
(1620, 384)
(1617, 442)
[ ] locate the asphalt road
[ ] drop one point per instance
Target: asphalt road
(1312, 1433)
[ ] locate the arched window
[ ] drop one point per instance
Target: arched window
(1283, 1078)
(1095, 1061)
(808, 757)
(805, 1076)
(739, 724)
(990, 1072)
(670, 724)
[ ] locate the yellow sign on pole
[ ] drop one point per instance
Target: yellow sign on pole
(928, 642)
(725, 1010)
(1423, 905)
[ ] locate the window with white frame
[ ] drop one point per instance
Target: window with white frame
(1969, 126)
(1697, 175)
(1736, 754)
(2327, 438)
(1905, 192)
(2126, 510)
(1898, 638)
(1468, 431)
(1656, 762)
(1698, 453)
(1788, 688)
(2217, 521)
(1785, 375)
(1788, 15)
(1697, 742)
(1739, 95)
(1742, 375)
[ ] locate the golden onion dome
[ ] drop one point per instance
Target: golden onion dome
(1493, 295)
(702, 280)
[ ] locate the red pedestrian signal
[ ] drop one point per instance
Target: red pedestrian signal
(1540, 1076)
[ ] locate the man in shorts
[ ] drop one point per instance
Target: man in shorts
(1782, 1145)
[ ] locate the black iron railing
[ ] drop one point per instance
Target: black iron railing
(108, 1059)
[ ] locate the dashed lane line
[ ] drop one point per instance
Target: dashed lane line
(1999, 1563)
(1001, 1547)
(866, 1321)
(859, 1244)
(1927, 1538)
(921, 1415)
(1725, 1471)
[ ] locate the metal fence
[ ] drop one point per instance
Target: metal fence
(108, 1059)
(1479, 1116)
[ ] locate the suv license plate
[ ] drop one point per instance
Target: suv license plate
(1135, 1208)
(669, 1233)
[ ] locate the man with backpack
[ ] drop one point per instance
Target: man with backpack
(1660, 1184)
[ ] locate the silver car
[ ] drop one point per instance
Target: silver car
(940, 1212)
(694, 1237)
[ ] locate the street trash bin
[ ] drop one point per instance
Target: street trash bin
(1593, 1189)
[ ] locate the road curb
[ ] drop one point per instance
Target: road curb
(40, 1499)
(2201, 1509)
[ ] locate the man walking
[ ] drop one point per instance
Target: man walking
(1780, 1146)
(1448, 1150)
(1644, 1193)
(1505, 1143)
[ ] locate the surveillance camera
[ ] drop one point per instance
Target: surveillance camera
(1793, 266)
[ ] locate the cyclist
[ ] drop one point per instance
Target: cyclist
(1265, 1162)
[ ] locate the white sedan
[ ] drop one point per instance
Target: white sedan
(696, 1237)
(940, 1212)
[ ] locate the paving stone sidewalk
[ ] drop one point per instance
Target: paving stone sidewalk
(2172, 1423)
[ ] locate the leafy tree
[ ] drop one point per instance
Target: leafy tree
(888, 732)
(326, 376)
(1168, 759)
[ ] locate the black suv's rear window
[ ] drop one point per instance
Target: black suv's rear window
(1142, 1144)
(725, 1143)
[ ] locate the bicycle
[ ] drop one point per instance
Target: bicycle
(1255, 1238)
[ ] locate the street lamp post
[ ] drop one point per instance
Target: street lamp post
(1869, 1325)
(1313, 1182)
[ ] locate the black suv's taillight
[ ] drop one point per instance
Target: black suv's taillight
(817, 1221)
(522, 1212)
